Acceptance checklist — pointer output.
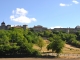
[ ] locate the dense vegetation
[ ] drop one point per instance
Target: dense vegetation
(69, 38)
(20, 42)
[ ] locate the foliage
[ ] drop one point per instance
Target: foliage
(20, 41)
(56, 46)
(17, 41)
(40, 42)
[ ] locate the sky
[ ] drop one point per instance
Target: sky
(48, 13)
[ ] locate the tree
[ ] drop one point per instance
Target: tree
(47, 33)
(40, 42)
(56, 46)
(50, 39)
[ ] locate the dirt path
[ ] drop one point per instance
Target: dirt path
(35, 59)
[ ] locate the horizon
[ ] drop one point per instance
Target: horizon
(38, 25)
(50, 13)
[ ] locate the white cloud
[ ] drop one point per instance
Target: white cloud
(62, 4)
(56, 27)
(19, 15)
(13, 25)
(75, 1)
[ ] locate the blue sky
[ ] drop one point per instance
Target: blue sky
(48, 13)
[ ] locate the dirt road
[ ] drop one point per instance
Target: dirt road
(36, 59)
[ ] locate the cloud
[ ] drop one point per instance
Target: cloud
(62, 4)
(13, 25)
(56, 27)
(19, 15)
(75, 1)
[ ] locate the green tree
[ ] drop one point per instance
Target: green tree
(56, 46)
(50, 39)
(47, 33)
(40, 42)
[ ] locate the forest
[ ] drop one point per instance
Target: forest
(19, 42)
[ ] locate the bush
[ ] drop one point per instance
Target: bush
(36, 53)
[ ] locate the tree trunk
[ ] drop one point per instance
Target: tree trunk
(58, 55)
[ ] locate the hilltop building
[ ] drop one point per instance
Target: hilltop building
(39, 28)
(67, 30)
(6, 27)
(3, 26)
(19, 26)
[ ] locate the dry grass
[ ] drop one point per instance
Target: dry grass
(71, 49)
(67, 49)
(46, 42)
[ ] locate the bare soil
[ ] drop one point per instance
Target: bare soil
(37, 59)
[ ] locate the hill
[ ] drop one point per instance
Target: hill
(67, 49)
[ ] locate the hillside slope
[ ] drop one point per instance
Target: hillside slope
(67, 49)
(71, 49)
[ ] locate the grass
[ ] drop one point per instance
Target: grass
(70, 49)
(67, 49)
